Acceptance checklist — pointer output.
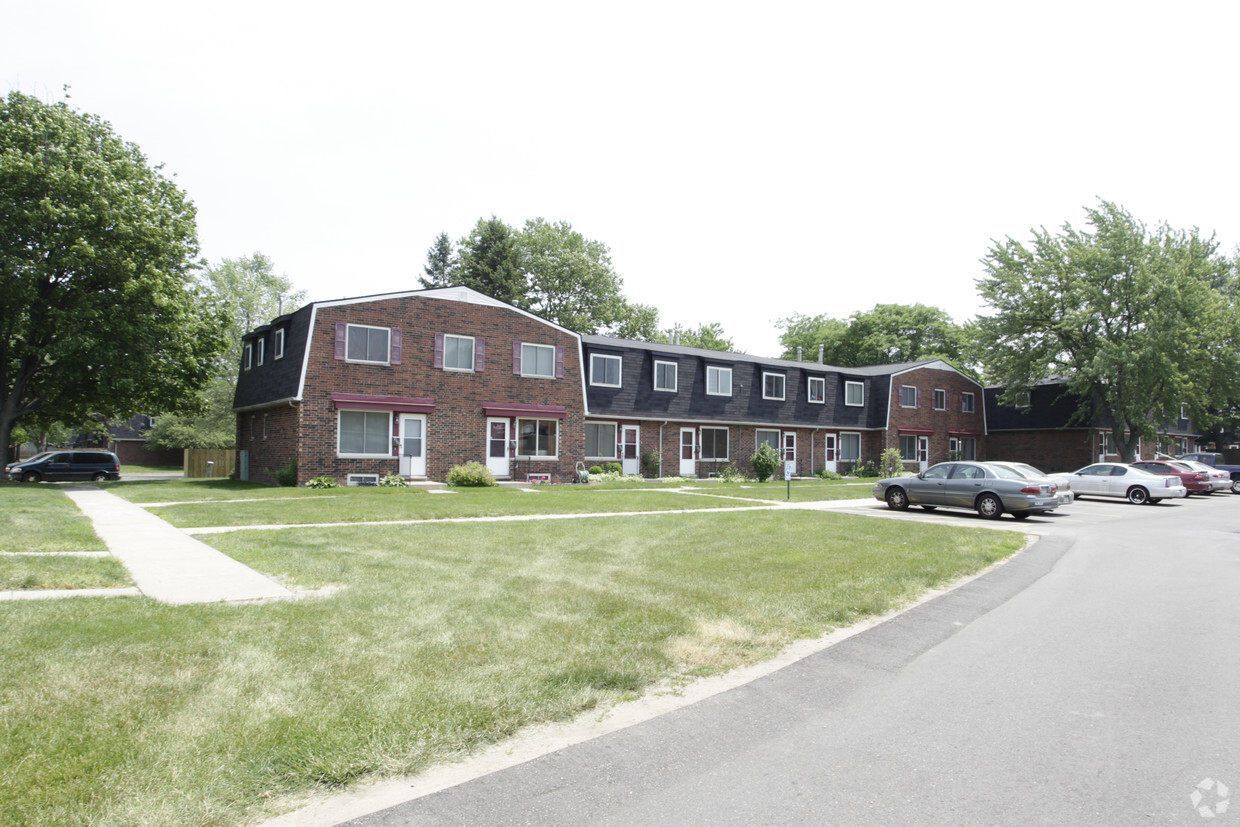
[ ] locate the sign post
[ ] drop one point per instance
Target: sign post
(788, 465)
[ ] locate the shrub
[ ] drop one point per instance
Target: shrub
(824, 474)
(730, 473)
(864, 468)
(614, 468)
(471, 474)
(891, 464)
(286, 476)
(595, 470)
(390, 480)
(651, 461)
(765, 461)
(322, 482)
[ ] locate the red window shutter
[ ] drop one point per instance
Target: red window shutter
(397, 339)
(559, 361)
(439, 350)
(342, 335)
(480, 347)
(516, 358)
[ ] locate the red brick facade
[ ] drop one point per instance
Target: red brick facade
(939, 417)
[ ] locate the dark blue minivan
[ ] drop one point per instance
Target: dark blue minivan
(66, 466)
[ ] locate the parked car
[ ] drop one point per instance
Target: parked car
(1194, 481)
(989, 490)
(1113, 479)
(1064, 495)
(66, 466)
(1215, 460)
(1219, 480)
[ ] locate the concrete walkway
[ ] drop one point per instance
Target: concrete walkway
(166, 563)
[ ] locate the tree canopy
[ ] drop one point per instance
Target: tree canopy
(98, 309)
(708, 336)
(1136, 321)
(252, 294)
(888, 334)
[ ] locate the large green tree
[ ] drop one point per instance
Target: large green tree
(440, 269)
(252, 293)
(1137, 321)
(99, 312)
(489, 261)
(888, 334)
(708, 336)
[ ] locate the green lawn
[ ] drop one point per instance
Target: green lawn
(42, 518)
(437, 640)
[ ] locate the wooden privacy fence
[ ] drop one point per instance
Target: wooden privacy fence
(222, 462)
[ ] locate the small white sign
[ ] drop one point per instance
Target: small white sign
(788, 466)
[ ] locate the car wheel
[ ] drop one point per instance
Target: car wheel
(1138, 495)
(1020, 515)
(1235, 486)
(989, 506)
(897, 500)
(928, 507)
(100, 477)
(30, 476)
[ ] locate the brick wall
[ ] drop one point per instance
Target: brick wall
(939, 425)
(456, 431)
(270, 437)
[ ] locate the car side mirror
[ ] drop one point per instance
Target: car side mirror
(921, 475)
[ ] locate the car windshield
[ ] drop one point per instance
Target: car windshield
(38, 456)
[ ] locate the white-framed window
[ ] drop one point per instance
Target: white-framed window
(665, 376)
(765, 435)
(458, 352)
(1183, 410)
(262, 350)
(1022, 399)
(714, 443)
(940, 399)
(605, 370)
(368, 345)
(850, 447)
(773, 385)
(247, 357)
(816, 389)
(908, 448)
(718, 381)
(963, 448)
(967, 403)
(1108, 444)
(601, 440)
(362, 479)
(539, 438)
(364, 434)
(538, 360)
(790, 446)
(854, 394)
(277, 344)
(908, 396)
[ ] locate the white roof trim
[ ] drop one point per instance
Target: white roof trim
(457, 294)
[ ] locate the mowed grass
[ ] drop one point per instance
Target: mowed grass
(42, 518)
(439, 640)
(42, 572)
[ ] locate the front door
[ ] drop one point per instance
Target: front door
(923, 452)
(413, 445)
(688, 451)
(630, 463)
(499, 434)
(832, 454)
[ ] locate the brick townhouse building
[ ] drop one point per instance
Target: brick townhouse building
(416, 382)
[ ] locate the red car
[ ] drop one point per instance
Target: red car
(1195, 482)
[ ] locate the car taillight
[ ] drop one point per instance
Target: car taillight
(1168, 485)
(1202, 475)
(1031, 489)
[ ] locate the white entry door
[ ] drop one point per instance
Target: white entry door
(832, 454)
(923, 453)
(499, 433)
(630, 462)
(413, 445)
(688, 452)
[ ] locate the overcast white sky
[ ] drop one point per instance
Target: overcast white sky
(744, 162)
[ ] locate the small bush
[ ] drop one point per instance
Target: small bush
(865, 468)
(891, 464)
(730, 473)
(287, 476)
(765, 461)
(595, 470)
(614, 468)
(391, 480)
(824, 474)
(651, 461)
(322, 482)
(471, 475)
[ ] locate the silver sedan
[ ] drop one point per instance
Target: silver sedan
(988, 490)
(1113, 479)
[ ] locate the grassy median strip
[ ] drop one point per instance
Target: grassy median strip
(440, 639)
(45, 571)
(42, 518)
